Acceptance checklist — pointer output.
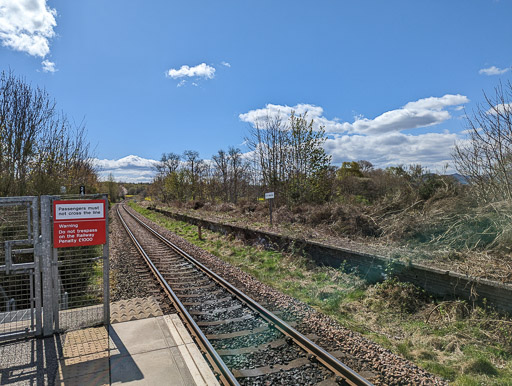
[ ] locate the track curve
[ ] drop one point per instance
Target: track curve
(244, 342)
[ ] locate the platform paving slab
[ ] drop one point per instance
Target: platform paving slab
(156, 350)
(84, 357)
(153, 351)
(191, 355)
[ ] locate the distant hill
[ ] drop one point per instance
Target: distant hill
(459, 178)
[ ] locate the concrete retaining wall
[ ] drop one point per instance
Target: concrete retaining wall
(373, 268)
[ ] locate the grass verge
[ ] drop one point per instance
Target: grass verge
(466, 345)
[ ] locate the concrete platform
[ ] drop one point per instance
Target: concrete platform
(153, 351)
(156, 351)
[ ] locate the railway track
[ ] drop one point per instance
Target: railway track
(244, 342)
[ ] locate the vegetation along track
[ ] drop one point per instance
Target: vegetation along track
(244, 342)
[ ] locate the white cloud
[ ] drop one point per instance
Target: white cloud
(503, 108)
(259, 116)
(421, 113)
(27, 26)
(48, 66)
(432, 150)
(225, 64)
(438, 103)
(128, 169)
(381, 140)
(493, 70)
(201, 71)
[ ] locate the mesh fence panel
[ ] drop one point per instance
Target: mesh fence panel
(17, 307)
(81, 286)
(71, 292)
(80, 292)
(16, 284)
(14, 225)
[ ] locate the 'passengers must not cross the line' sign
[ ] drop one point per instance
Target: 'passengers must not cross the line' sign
(78, 223)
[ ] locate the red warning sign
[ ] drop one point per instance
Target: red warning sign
(78, 223)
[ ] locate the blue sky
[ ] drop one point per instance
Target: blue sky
(389, 80)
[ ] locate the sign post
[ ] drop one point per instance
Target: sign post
(270, 196)
(79, 223)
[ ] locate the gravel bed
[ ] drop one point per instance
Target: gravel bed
(309, 374)
(281, 355)
(224, 328)
(212, 307)
(191, 291)
(238, 313)
(248, 340)
(363, 355)
(127, 270)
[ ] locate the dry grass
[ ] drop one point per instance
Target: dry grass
(465, 344)
(450, 233)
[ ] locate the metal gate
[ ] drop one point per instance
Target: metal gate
(20, 276)
(44, 290)
(79, 296)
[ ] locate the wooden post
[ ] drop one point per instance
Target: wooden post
(270, 207)
(199, 234)
(270, 196)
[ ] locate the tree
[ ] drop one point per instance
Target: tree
(237, 169)
(348, 169)
(306, 157)
(174, 186)
(194, 167)
(289, 155)
(112, 188)
(168, 164)
(39, 149)
(485, 156)
(365, 165)
(267, 142)
(165, 183)
(221, 162)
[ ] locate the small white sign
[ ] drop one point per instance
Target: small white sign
(79, 211)
(269, 195)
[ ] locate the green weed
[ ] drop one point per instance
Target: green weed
(462, 344)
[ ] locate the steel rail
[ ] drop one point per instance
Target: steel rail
(328, 360)
(225, 375)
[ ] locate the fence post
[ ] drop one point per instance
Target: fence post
(37, 265)
(46, 265)
(106, 269)
(56, 288)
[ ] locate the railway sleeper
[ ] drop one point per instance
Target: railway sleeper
(182, 281)
(264, 370)
(224, 321)
(217, 311)
(221, 300)
(196, 295)
(193, 287)
(249, 350)
(237, 334)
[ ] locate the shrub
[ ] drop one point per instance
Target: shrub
(396, 295)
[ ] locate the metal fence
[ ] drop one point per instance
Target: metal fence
(20, 296)
(43, 289)
(79, 288)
